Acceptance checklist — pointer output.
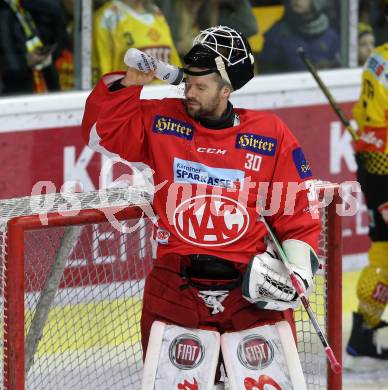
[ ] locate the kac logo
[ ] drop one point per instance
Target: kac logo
(162, 236)
(211, 220)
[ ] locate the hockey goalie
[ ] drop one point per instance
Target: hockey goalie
(218, 302)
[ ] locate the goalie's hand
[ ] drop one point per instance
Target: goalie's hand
(137, 77)
(267, 283)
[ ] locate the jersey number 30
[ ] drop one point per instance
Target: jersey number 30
(253, 162)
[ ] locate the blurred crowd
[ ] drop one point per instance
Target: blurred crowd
(36, 36)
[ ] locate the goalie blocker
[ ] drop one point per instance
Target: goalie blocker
(182, 358)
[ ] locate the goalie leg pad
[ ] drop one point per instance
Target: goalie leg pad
(180, 358)
(265, 355)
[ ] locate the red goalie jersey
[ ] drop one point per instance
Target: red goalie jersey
(212, 182)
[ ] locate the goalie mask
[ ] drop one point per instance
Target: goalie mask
(223, 50)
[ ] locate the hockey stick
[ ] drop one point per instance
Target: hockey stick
(345, 121)
(335, 366)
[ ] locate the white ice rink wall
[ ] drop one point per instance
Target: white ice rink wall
(263, 92)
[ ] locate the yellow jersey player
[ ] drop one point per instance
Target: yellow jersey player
(122, 24)
(364, 349)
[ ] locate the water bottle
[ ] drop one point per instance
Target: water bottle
(139, 60)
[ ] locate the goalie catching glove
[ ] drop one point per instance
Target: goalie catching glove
(266, 282)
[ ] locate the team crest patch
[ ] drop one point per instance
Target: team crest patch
(301, 164)
(171, 126)
(162, 236)
(186, 351)
(256, 143)
(255, 352)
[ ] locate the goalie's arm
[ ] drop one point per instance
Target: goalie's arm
(296, 225)
(114, 121)
(297, 216)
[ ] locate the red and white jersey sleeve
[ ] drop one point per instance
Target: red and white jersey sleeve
(298, 216)
(112, 122)
(208, 181)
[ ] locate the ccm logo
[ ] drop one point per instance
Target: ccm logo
(211, 150)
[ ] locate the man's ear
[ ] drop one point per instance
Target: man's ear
(226, 91)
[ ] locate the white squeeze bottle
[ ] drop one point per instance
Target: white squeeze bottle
(144, 62)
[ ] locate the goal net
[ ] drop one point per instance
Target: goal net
(71, 291)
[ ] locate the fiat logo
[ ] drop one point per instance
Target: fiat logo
(186, 351)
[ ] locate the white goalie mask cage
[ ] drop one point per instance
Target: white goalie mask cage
(233, 49)
(224, 50)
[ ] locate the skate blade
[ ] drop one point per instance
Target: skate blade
(363, 363)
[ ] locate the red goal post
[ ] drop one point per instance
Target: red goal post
(71, 290)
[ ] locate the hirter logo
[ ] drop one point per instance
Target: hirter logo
(171, 126)
(256, 143)
(211, 220)
(186, 351)
(255, 352)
